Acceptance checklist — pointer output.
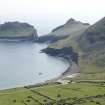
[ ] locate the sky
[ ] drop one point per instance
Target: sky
(47, 14)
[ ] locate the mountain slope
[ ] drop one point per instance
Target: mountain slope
(74, 29)
(92, 43)
(94, 37)
(90, 46)
(70, 27)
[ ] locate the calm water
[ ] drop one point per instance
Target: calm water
(23, 64)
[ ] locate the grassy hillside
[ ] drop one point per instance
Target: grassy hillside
(91, 54)
(74, 29)
(70, 27)
(94, 37)
(16, 29)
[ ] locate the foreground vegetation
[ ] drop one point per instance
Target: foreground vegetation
(88, 88)
(80, 93)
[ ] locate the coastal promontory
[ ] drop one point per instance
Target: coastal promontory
(17, 31)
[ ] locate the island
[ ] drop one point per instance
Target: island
(16, 31)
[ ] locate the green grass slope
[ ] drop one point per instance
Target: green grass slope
(79, 93)
(74, 29)
(69, 28)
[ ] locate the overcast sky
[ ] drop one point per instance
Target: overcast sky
(47, 14)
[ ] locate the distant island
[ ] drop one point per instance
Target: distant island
(17, 31)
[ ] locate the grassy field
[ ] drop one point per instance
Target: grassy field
(87, 93)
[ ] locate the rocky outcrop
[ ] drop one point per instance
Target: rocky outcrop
(65, 52)
(17, 31)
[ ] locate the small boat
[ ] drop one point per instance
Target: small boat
(40, 73)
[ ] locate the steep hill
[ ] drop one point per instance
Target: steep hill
(13, 30)
(94, 37)
(74, 29)
(70, 27)
(92, 43)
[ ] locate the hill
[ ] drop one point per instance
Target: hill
(13, 30)
(74, 29)
(92, 44)
(94, 37)
(70, 28)
(89, 44)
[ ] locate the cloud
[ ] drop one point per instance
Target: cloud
(47, 14)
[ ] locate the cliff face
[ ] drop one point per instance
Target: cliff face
(16, 30)
(65, 52)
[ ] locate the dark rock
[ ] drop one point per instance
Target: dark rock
(65, 52)
(49, 38)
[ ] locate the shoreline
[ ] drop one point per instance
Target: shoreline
(69, 72)
(68, 54)
(72, 69)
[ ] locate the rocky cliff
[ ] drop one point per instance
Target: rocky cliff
(65, 52)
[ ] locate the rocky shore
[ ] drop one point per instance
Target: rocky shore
(68, 54)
